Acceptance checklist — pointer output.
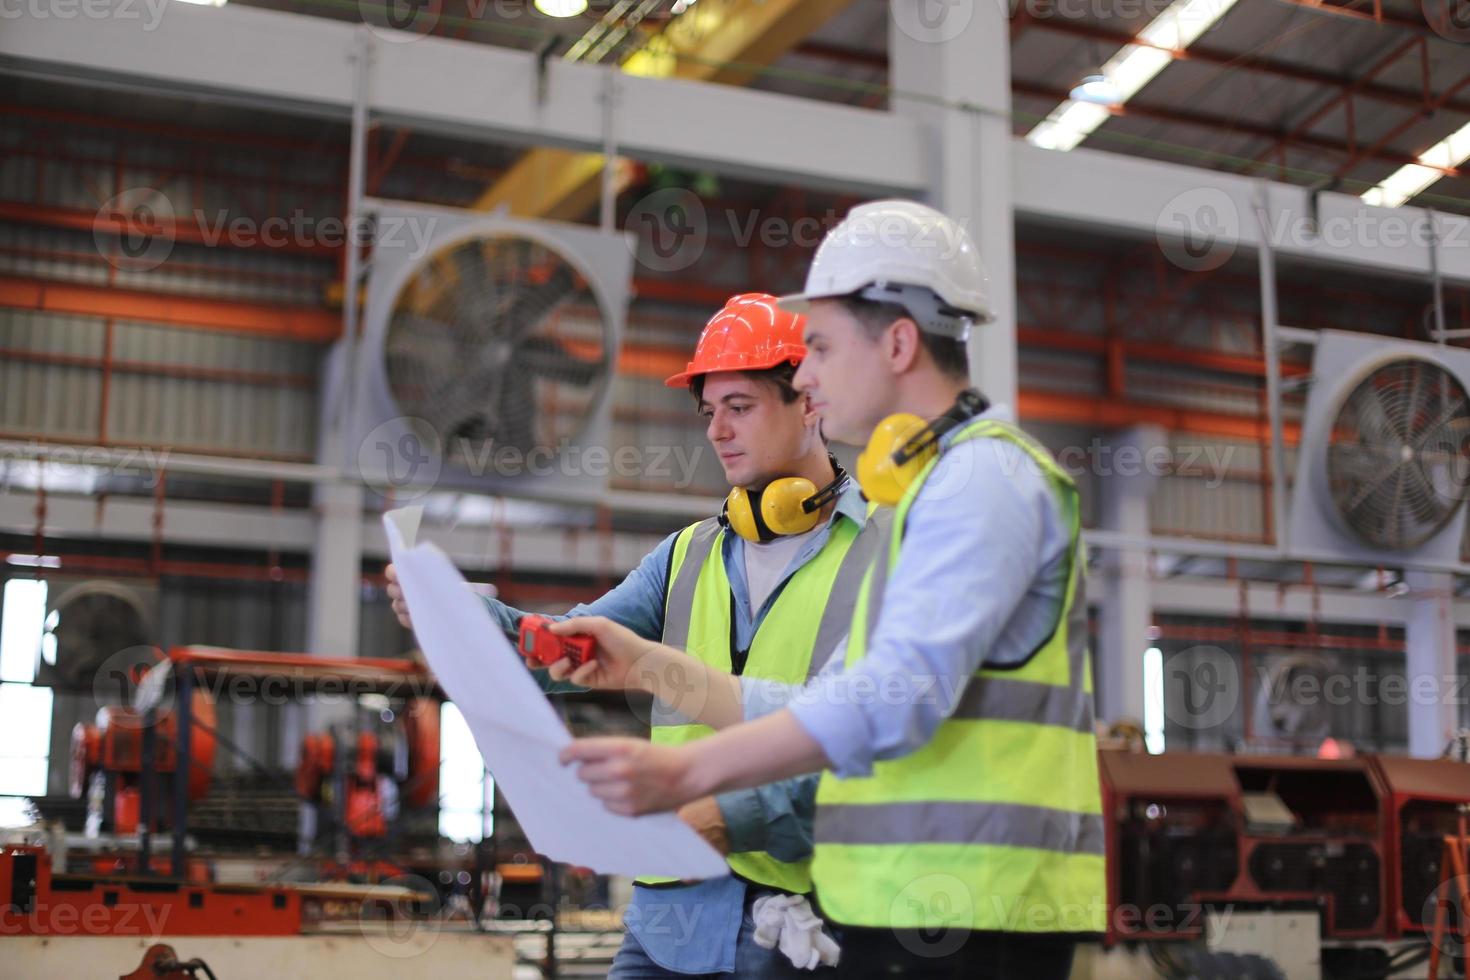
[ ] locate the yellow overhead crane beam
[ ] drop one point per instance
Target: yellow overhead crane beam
(713, 41)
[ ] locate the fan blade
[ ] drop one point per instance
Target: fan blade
(1411, 406)
(1445, 462)
(533, 303)
(471, 393)
(478, 311)
(516, 412)
(549, 359)
(477, 300)
(420, 354)
(1375, 422)
(1369, 489)
(1457, 408)
(1395, 511)
(469, 264)
(1428, 501)
(419, 338)
(408, 324)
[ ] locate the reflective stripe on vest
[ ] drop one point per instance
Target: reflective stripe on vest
(996, 822)
(790, 646)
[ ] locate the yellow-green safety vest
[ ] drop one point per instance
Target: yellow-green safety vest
(995, 823)
(810, 615)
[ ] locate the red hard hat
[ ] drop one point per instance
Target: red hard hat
(750, 334)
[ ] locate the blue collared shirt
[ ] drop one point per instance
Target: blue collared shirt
(694, 928)
(981, 580)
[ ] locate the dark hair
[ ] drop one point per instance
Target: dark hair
(781, 376)
(950, 355)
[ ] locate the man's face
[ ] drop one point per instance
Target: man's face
(757, 436)
(844, 374)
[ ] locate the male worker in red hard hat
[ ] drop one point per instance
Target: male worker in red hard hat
(752, 591)
(959, 819)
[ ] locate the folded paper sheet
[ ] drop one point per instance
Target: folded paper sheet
(520, 734)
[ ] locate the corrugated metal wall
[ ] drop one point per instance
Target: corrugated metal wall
(191, 390)
(63, 403)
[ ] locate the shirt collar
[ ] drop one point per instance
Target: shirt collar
(997, 413)
(850, 504)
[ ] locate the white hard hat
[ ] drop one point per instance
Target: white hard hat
(901, 252)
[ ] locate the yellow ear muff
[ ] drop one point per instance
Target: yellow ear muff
(884, 481)
(740, 516)
(781, 502)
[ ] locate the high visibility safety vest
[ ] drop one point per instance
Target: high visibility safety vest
(810, 615)
(996, 823)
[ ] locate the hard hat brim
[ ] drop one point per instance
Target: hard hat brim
(800, 303)
(682, 379)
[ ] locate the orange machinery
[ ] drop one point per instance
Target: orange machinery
(111, 758)
(128, 763)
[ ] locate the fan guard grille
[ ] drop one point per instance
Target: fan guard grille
(1397, 467)
(496, 342)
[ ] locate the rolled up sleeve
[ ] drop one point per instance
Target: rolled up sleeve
(637, 602)
(776, 818)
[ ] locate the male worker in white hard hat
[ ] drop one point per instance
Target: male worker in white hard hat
(755, 590)
(959, 827)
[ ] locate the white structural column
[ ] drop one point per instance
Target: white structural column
(334, 597)
(958, 53)
(1125, 485)
(336, 571)
(1433, 693)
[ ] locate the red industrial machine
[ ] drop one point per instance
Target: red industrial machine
(349, 770)
(1357, 840)
(42, 903)
(352, 779)
(108, 758)
(144, 764)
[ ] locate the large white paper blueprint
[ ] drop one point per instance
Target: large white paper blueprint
(520, 734)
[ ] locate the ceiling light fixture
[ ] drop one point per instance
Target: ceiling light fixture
(1133, 67)
(1097, 90)
(561, 8)
(1412, 179)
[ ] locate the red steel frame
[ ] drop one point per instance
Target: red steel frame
(84, 905)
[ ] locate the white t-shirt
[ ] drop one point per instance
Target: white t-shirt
(764, 564)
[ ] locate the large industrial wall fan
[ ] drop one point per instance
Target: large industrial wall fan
(1384, 461)
(95, 632)
(1289, 706)
(488, 348)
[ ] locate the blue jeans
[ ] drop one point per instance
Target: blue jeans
(751, 959)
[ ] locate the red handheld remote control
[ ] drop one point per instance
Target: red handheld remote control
(539, 643)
